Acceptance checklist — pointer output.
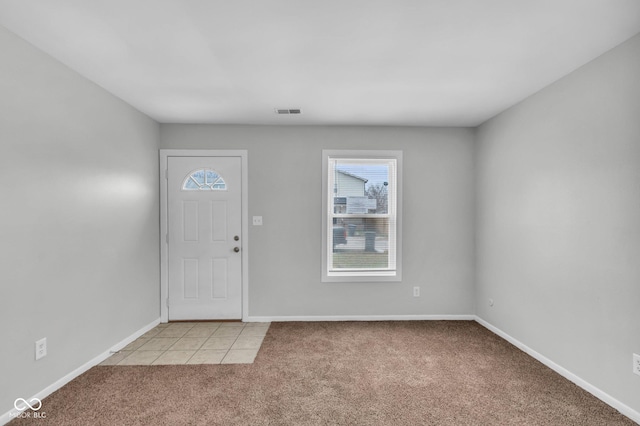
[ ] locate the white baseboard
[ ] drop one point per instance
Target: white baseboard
(9, 415)
(360, 318)
(603, 396)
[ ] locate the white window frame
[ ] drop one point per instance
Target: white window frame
(395, 237)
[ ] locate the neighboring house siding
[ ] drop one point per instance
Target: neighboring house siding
(349, 186)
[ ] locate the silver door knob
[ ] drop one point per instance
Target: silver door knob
(236, 249)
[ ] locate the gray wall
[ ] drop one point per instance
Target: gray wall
(78, 223)
(556, 228)
(285, 188)
(558, 224)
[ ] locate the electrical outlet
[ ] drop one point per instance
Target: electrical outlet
(416, 292)
(41, 348)
(257, 221)
(636, 364)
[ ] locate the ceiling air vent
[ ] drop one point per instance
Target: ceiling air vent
(282, 111)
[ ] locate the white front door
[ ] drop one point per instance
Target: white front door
(204, 201)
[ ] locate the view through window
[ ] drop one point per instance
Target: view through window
(361, 222)
(204, 180)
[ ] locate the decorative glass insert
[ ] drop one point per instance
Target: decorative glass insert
(204, 180)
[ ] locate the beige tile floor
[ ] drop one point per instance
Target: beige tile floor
(194, 343)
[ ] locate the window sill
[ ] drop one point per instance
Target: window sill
(346, 277)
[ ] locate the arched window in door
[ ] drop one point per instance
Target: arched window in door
(204, 180)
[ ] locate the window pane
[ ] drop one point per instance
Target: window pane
(190, 184)
(211, 177)
(360, 187)
(198, 176)
(207, 180)
(360, 243)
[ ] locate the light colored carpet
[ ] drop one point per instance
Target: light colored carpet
(340, 373)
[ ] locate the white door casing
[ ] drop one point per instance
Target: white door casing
(202, 258)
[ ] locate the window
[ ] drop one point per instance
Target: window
(204, 180)
(361, 220)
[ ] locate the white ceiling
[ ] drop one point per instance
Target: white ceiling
(381, 62)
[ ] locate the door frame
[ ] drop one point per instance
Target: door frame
(164, 224)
